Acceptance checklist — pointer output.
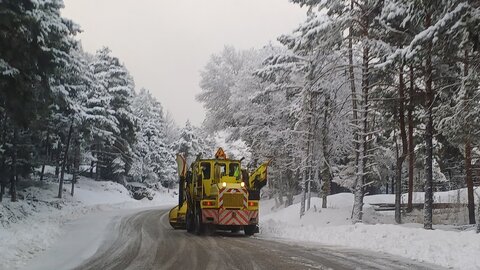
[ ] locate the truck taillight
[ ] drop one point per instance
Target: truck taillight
(252, 203)
(208, 203)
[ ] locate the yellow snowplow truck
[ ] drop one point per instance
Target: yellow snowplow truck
(217, 194)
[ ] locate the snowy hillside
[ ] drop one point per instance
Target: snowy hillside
(34, 223)
(448, 246)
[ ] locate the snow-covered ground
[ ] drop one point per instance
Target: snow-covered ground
(446, 245)
(41, 222)
(33, 224)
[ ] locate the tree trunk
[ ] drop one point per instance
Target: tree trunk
(325, 143)
(42, 172)
(355, 123)
(309, 104)
(2, 189)
(478, 214)
(76, 164)
(325, 192)
(304, 194)
(468, 152)
(98, 163)
(64, 162)
(14, 176)
(309, 192)
(280, 191)
(47, 142)
(290, 184)
(357, 214)
(351, 74)
(3, 175)
(3, 180)
(289, 199)
(411, 146)
(392, 181)
(92, 163)
(59, 160)
(428, 212)
(469, 180)
(401, 158)
(363, 136)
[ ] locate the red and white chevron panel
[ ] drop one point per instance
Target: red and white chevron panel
(229, 217)
(236, 217)
(210, 213)
(253, 214)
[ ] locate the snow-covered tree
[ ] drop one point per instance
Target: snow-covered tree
(34, 51)
(114, 90)
(435, 21)
(457, 114)
(154, 161)
(193, 142)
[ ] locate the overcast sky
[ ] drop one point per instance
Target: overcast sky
(165, 43)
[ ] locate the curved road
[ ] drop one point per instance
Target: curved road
(145, 240)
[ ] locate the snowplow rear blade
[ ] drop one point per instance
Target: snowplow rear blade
(176, 221)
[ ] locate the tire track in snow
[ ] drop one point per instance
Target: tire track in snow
(145, 240)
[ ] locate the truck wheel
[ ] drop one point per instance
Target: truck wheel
(250, 229)
(190, 221)
(199, 228)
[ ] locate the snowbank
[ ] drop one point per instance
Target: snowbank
(36, 222)
(446, 248)
(332, 226)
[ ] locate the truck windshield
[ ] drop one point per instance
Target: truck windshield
(234, 170)
(206, 170)
(220, 170)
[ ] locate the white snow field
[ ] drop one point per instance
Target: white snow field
(43, 232)
(42, 221)
(455, 247)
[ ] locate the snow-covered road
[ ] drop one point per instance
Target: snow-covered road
(81, 240)
(143, 239)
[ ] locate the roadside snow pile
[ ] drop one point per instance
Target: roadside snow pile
(90, 192)
(332, 226)
(35, 222)
(337, 212)
(452, 196)
(446, 248)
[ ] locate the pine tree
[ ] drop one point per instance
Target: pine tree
(154, 160)
(192, 142)
(34, 53)
(458, 117)
(114, 90)
(100, 117)
(435, 18)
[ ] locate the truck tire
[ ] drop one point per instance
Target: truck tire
(250, 229)
(199, 227)
(190, 221)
